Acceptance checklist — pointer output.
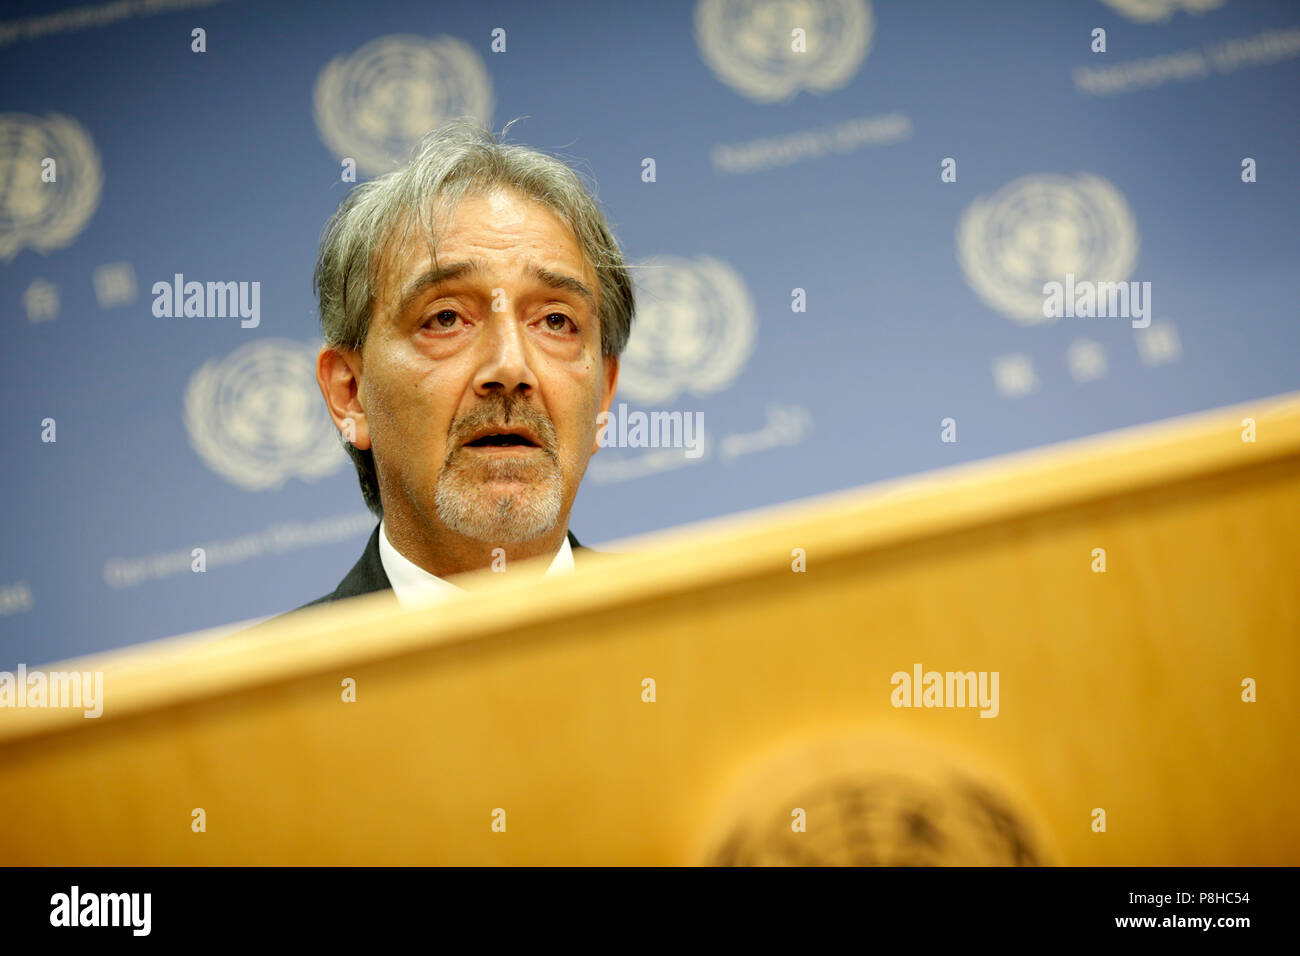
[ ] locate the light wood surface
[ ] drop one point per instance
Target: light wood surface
(1119, 691)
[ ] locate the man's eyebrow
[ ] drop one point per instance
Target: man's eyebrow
(557, 280)
(459, 270)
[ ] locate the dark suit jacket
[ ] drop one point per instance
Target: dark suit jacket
(368, 575)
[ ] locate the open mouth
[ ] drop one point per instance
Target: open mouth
(501, 440)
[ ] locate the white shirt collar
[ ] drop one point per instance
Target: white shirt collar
(415, 586)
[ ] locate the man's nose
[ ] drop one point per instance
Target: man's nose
(505, 364)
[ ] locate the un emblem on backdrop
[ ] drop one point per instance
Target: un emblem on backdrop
(35, 213)
(1151, 11)
(375, 104)
(694, 329)
(1038, 228)
(749, 44)
(255, 417)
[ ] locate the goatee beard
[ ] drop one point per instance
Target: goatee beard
(468, 499)
(473, 507)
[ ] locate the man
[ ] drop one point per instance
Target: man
(474, 305)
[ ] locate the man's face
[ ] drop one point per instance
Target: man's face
(503, 340)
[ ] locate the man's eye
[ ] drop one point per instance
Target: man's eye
(553, 325)
(444, 319)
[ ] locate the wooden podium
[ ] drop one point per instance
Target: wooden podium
(730, 692)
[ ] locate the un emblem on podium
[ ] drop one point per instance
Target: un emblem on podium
(1037, 229)
(870, 801)
(375, 104)
(256, 417)
(34, 213)
(750, 46)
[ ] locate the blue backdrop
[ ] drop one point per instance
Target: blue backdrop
(794, 146)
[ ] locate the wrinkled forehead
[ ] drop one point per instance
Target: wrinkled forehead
(421, 233)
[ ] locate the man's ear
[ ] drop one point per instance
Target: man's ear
(608, 385)
(338, 373)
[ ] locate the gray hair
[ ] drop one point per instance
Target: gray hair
(455, 160)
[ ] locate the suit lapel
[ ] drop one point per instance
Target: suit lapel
(367, 574)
